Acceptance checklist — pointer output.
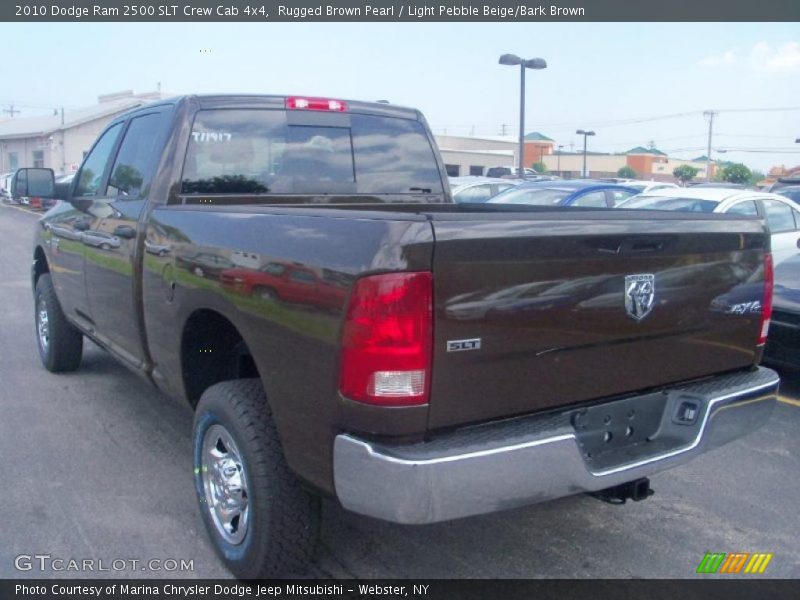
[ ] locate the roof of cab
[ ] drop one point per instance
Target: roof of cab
(380, 108)
(711, 194)
(572, 185)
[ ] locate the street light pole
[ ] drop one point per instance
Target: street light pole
(585, 134)
(532, 63)
(710, 114)
(521, 151)
(558, 160)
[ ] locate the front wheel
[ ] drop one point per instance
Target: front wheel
(60, 342)
(261, 521)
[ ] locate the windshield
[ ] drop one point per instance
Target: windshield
(537, 196)
(669, 203)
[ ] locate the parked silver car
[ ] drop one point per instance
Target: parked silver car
(479, 189)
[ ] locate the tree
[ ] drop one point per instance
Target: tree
(736, 173)
(756, 176)
(539, 167)
(626, 172)
(684, 173)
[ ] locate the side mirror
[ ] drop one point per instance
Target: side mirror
(33, 182)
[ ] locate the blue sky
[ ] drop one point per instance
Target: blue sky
(598, 74)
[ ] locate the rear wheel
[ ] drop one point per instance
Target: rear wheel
(60, 343)
(266, 293)
(261, 521)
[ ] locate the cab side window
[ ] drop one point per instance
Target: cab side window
(91, 175)
(135, 155)
(476, 193)
(618, 196)
(779, 216)
(592, 200)
(746, 207)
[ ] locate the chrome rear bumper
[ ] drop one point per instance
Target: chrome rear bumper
(523, 461)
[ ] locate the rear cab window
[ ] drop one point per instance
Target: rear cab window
(264, 152)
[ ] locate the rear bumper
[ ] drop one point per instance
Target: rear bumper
(523, 461)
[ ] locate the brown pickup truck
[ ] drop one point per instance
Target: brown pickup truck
(473, 358)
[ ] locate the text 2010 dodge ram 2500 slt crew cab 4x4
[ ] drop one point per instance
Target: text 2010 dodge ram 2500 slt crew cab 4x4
(294, 268)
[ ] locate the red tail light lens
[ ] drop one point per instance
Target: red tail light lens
(299, 103)
(766, 303)
(387, 338)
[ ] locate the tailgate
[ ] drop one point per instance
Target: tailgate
(538, 311)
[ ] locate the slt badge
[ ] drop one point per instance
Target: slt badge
(640, 293)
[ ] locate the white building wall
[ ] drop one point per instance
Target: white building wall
(466, 159)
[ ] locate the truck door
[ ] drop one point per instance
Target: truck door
(66, 227)
(112, 242)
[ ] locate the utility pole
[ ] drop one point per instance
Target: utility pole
(503, 129)
(10, 110)
(710, 114)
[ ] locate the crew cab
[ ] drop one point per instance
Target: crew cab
(466, 358)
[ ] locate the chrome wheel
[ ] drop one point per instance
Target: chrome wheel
(225, 484)
(42, 324)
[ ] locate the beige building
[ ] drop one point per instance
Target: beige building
(61, 140)
(570, 165)
(473, 155)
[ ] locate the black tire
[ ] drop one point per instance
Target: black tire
(63, 347)
(266, 293)
(283, 520)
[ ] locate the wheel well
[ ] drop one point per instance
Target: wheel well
(212, 350)
(40, 265)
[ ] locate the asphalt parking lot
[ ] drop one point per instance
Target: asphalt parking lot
(96, 465)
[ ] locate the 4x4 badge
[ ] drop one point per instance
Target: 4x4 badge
(640, 293)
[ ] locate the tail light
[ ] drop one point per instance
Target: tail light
(386, 340)
(299, 103)
(766, 303)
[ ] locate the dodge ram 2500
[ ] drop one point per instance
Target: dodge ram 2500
(295, 270)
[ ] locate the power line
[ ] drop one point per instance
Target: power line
(747, 135)
(762, 150)
(769, 109)
(636, 120)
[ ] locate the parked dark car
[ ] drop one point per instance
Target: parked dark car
(579, 192)
(204, 264)
(784, 182)
(790, 191)
(391, 399)
(783, 344)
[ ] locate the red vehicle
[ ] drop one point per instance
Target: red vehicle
(286, 282)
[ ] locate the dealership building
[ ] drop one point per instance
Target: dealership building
(59, 141)
(473, 156)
